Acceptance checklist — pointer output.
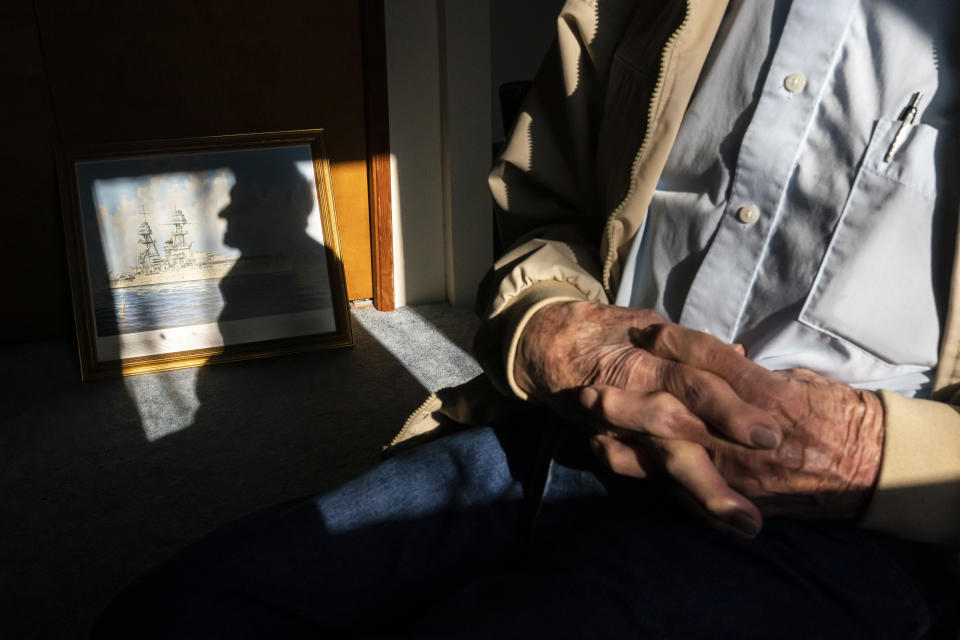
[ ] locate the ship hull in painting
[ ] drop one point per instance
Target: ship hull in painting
(208, 271)
(215, 269)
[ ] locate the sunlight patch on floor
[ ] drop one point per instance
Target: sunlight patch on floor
(430, 357)
(167, 402)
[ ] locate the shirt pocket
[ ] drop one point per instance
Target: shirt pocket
(875, 285)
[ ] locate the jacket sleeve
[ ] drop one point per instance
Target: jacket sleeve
(918, 491)
(544, 181)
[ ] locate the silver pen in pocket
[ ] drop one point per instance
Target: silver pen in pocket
(906, 119)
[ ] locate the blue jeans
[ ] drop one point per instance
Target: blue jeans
(514, 531)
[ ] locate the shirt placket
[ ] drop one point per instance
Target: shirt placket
(805, 56)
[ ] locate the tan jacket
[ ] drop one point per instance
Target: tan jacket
(576, 179)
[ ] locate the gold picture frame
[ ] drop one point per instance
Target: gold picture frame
(195, 251)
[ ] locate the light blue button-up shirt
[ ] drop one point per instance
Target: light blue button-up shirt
(779, 224)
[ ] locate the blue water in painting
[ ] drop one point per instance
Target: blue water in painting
(161, 306)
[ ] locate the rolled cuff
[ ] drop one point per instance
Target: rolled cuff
(497, 340)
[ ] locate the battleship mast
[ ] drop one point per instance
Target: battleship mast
(178, 263)
(149, 257)
(176, 248)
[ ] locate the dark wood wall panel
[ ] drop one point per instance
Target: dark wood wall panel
(122, 70)
(117, 70)
(36, 298)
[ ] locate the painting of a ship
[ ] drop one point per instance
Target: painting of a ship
(180, 263)
(200, 249)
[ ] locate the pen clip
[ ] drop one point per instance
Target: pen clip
(906, 118)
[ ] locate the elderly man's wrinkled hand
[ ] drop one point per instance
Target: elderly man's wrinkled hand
(571, 345)
(825, 466)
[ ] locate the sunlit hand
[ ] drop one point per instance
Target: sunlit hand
(825, 466)
(570, 345)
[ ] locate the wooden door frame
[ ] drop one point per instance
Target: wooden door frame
(378, 153)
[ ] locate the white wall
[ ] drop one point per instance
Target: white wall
(413, 85)
(465, 93)
(444, 57)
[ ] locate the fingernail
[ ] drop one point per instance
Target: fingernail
(745, 524)
(589, 397)
(764, 438)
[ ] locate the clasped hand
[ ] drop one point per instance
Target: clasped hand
(738, 438)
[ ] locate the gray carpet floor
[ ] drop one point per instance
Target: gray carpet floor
(101, 480)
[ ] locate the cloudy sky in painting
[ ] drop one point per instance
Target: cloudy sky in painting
(120, 203)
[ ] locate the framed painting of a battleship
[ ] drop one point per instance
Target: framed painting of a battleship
(189, 252)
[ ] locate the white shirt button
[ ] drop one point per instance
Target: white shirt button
(795, 82)
(748, 214)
